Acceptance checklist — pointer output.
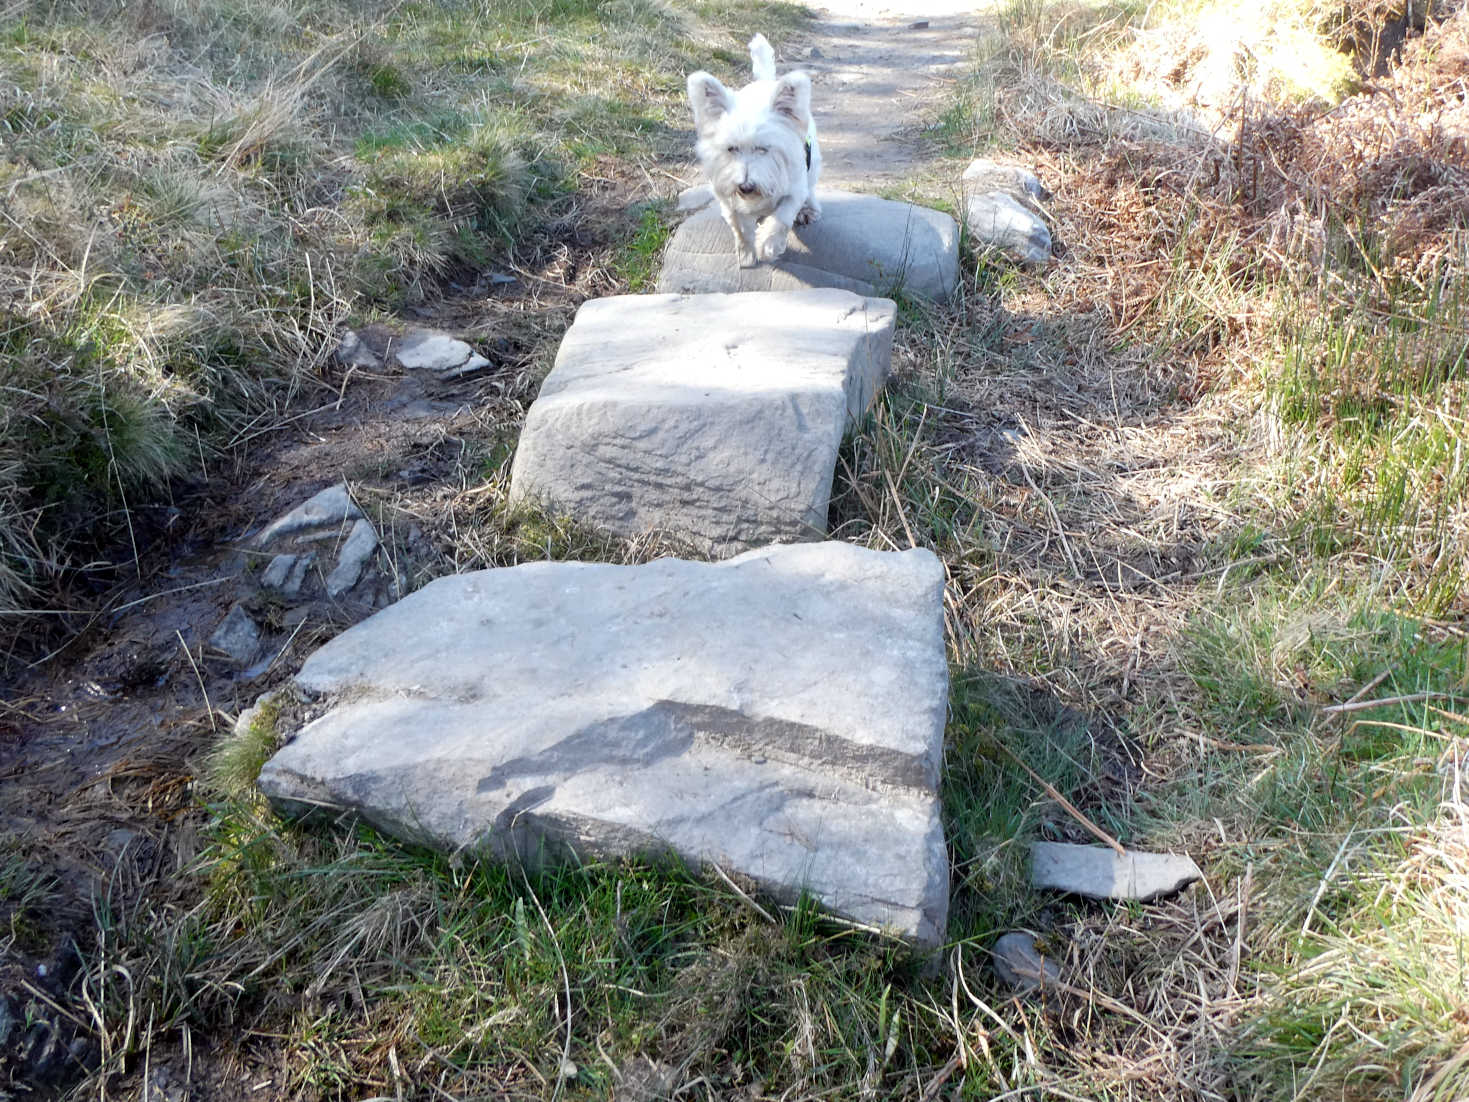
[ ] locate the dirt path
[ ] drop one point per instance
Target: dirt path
(882, 73)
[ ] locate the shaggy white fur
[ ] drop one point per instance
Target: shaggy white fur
(758, 148)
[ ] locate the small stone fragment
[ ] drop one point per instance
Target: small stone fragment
(999, 222)
(1098, 872)
(984, 175)
(1020, 965)
(333, 506)
(356, 550)
(353, 351)
(237, 636)
(426, 350)
(274, 576)
(287, 572)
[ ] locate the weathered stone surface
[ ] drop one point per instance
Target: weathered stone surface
(286, 573)
(330, 508)
(329, 525)
(1098, 872)
(428, 350)
(863, 244)
(694, 198)
(237, 637)
(361, 542)
(997, 221)
(984, 175)
(1020, 965)
(715, 417)
(780, 714)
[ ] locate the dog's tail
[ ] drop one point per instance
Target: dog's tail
(762, 58)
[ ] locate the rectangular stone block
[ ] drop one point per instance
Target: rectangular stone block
(716, 418)
(780, 714)
(862, 243)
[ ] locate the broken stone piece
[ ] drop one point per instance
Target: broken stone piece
(716, 418)
(274, 575)
(287, 572)
(861, 243)
(1098, 872)
(357, 548)
(237, 637)
(997, 221)
(780, 714)
(427, 350)
(1021, 183)
(1020, 965)
(331, 507)
(353, 351)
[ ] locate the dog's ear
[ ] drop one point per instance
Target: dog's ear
(710, 100)
(792, 99)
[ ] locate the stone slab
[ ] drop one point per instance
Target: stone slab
(863, 244)
(716, 418)
(1100, 872)
(779, 714)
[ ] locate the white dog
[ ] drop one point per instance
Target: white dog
(758, 148)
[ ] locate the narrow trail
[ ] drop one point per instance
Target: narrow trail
(881, 74)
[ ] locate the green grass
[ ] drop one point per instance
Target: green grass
(199, 196)
(1358, 865)
(643, 254)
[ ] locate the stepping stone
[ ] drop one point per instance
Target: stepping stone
(863, 244)
(716, 418)
(1099, 872)
(779, 715)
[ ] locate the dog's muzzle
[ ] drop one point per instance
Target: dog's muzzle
(748, 188)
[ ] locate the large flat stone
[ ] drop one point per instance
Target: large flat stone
(863, 244)
(716, 418)
(780, 714)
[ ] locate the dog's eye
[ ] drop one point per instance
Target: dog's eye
(761, 150)
(734, 149)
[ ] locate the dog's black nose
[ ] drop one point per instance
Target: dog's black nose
(748, 188)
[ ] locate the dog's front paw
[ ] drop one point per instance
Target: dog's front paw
(746, 256)
(810, 213)
(773, 244)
